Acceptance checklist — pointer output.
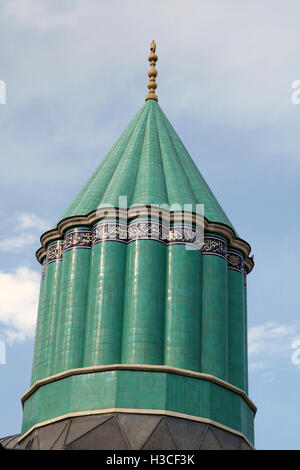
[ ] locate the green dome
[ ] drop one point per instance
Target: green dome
(141, 324)
(150, 165)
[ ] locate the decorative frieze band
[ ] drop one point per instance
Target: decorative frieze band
(146, 230)
(138, 230)
(77, 239)
(54, 252)
(235, 261)
(214, 246)
(177, 234)
(113, 231)
(131, 214)
(143, 230)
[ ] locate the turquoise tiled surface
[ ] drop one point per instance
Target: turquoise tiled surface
(183, 308)
(46, 323)
(71, 312)
(144, 303)
(38, 332)
(139, 390)
(150, 182)
(214, 344)
(150, 165)
(236, 330)
(246, 339)
(104, 315)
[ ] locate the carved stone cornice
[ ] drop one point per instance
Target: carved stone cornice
(162, 215)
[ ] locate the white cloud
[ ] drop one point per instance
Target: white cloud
(19, 291)
(74, 60)
(44, 15)
(16, 243)
(245, 76)
(267, 377)
(31, 221)
(268, 344)
(29, 228)
(253, 366)
(270, 338)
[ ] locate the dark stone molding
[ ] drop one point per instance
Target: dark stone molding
(142, 230)
(126, 215)
(10, 442)
(115, 231)
(130, 431)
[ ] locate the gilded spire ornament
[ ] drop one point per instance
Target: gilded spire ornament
(152, 74)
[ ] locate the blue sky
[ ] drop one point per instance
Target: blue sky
(76, 73)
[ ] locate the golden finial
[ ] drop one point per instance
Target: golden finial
(152, 74)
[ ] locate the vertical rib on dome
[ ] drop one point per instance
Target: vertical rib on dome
(150, 165)
(150, 186)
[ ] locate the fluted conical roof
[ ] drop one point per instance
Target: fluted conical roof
(129, 317)
(150, 165)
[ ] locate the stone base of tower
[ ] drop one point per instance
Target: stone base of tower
(126, 431)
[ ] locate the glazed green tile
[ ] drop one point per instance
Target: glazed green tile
(141, 390)
(188, 396)
(214, 343)
(150, 186)
(104, 317)
(144, 303)
(245, 334)
(150, 165)
(225, 406)
(38, 332)
(89, 197)
(204, 195)
(182, 342)
(247, 419)
(236, 330)
(69, 345)
(46, 328)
